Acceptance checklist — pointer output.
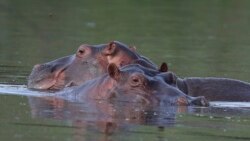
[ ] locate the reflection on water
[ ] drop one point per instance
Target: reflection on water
(195, 37)
(40, 113)
(96, 112)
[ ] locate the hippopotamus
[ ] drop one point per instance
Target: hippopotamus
(215, 89)
(87, 63)
(90, 61)
(132, 83)
(114, 96)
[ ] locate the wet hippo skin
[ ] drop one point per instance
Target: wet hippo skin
(84, 65)
(215, 89)
(89, 61)
(132, 84)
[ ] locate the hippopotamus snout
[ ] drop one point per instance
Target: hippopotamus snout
(48, 75)
(36, 66)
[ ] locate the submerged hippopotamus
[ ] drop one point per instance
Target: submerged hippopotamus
(90, 61)
(87, 63)
(215, 89)
(132, 83)
(212, 88)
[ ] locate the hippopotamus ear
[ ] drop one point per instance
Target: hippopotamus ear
(114, 71)
(164, 67)
(110, 49)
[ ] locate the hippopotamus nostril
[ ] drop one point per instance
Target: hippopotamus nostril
(37, 66)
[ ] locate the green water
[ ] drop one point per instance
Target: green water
(195, 37)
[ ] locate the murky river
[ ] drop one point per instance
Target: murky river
(195, 37)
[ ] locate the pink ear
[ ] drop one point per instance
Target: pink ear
(164, 67)
(114, 71)
(110, 49)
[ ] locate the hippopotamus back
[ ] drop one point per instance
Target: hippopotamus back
(215, 89)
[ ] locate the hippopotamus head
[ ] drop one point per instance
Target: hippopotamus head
(87, 63)
(134, 85)
(90, 61)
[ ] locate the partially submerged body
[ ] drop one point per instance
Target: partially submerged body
(90, 61)
(215, 89)
(75, 69)
(132, 84)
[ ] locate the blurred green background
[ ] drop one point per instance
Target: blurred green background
(195, 37)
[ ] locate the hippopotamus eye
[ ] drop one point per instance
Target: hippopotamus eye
(82, 51)
(135, 81)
